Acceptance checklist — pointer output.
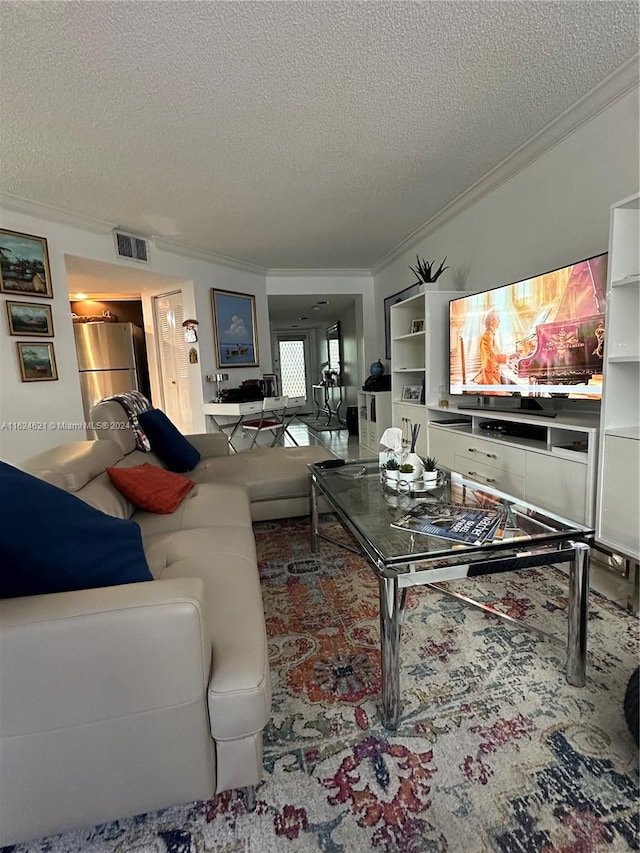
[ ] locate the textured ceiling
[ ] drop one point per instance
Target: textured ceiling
(286, 134)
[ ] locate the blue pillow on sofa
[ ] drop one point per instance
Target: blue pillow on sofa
(52, 541)
(168, 442)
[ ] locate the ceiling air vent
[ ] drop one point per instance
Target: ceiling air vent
(131, 247)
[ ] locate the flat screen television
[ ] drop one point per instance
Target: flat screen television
(540, 337)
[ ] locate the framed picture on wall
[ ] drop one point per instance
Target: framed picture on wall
(24, 265)
(400, 296)
(30, 319)
(37, 362)
(234, 328)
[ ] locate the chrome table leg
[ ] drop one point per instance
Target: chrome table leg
(391, 606)
(578, 615)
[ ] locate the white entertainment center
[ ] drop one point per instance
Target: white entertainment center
(554, 467)
(554, 462)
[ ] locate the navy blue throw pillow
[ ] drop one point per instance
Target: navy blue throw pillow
(168, 442)
(51, 541)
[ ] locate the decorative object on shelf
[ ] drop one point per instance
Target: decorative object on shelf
(400, 296)
(443, 400)
(24, 265)
(376, 369)
(29, 319)
(411, 393)
(37, 362)
(234, 327)
(417, 326)
(193, 356)
(269, 385)
(190, 331)
(424, 271)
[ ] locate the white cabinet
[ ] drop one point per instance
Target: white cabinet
(617, 525)
(374, 416)
(551, 466)
(419, 359)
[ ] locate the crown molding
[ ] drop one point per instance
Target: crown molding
(618, 84)
(318, 273)
(205, 255)
(39, 210)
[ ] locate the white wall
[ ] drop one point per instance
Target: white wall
(60, 401)
(554, 211)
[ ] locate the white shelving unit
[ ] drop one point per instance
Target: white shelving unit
(374, 416)
(618, 502)
(419, 359)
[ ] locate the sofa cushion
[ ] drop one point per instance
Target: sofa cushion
(270, 473)
(207, 505)
(76, 462)
(172, 447)
(51, 541)
(239, 693)
(150, 487)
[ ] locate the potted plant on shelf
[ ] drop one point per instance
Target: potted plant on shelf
(424, 271)
(430, 471)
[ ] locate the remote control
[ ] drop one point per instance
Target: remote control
(330, 463)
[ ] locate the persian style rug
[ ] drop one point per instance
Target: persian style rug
(495, 752)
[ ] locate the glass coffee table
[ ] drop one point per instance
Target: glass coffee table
(519, 536)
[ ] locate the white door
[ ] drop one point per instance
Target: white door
(292, 366)
(174, 360)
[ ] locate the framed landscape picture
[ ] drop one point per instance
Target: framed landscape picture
(24, 265)
(234, 328)
(29, 318)
(37, 362)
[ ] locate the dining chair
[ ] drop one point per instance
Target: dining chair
(271, 419)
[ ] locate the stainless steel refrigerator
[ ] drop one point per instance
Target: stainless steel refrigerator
(111, 360)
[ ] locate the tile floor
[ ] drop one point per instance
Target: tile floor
(606, 575)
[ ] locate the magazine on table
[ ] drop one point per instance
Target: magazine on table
(469, 525)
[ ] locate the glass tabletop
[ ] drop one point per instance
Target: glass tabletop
(456, 515)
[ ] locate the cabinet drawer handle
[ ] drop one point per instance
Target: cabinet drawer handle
(475, 450)
(480, 477)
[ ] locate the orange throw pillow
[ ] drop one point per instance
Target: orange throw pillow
(150, 487)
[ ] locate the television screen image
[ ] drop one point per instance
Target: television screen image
(540, 337)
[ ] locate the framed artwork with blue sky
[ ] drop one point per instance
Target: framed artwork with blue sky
(234, 328)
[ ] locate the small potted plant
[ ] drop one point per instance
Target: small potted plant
(430, 472)
(407, 472)
(391, 470)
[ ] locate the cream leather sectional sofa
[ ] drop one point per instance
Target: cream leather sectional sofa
(121, 700)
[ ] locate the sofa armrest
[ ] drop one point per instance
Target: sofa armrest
(88, 656)
(210, 444)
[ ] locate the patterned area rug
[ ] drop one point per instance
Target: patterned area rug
(496, 752)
